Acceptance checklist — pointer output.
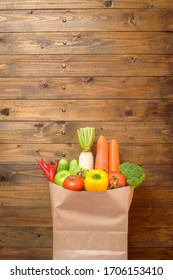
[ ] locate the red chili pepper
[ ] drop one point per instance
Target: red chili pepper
(55, 168)
(43, 167)
(44, 164)
(48, 169)
(49, 178)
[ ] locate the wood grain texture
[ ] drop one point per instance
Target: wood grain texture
(36, 237)
(87, 42)
(80, 20)
(68, 4)
(74, 110)
(87, 88)
(27, 153)
(150, 253)
(63, 132)
(154, 237)
(88, 65)
(150, 217)
(28, 217)
(25, 253)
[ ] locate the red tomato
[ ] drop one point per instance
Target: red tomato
(116, 180)
(74, 183)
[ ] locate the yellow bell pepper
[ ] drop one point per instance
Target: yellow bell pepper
(96, 180)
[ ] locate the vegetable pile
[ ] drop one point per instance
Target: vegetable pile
(84, 174)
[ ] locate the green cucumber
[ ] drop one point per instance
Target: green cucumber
(74, 167)
(63, 165)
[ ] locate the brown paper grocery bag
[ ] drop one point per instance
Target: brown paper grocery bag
(90, 225)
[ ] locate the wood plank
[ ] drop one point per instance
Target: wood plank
(27, 237)
(153, 237)
(46, 253)
(150, 253)
(88, 65)
(19, 176)
(25, 253)
(63, 132)
(147, 197)
(81, 20)
(44, 4)
(41, 217)
(88, 110)
(68, 4)
(29, 177)
(26, 196)
(87, 88)
(150, 217)
(87, 42)
(25, 217)
(27, 153)
(42, 237)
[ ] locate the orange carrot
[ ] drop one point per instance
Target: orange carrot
(114, 157)
(102, 153)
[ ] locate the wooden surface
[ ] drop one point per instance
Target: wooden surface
(46, 4)
(87, 42)
(82, 20)
(109, 64)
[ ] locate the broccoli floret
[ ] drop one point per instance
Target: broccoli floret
(134, 174)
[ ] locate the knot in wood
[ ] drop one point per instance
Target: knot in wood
(129, 113)
(38, 125)
(108, 3)
(3, 178)
(5, 111)
(132, 19)
(134, 59)
(89, 80)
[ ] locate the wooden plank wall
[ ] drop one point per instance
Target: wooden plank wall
(69, 64)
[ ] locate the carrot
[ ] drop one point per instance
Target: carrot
(102, 153)
(114, 157)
